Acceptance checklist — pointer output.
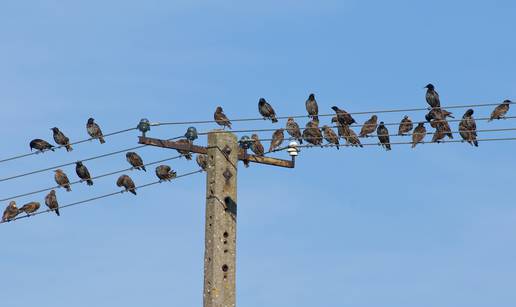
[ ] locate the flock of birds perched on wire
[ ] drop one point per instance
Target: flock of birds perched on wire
(312, 134)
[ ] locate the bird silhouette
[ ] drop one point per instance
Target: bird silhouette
(94, 130)
(10, 212)
(501, 110)
(330, 136)
(293, 130)
(419, 134)
(164, 172)
(468, 128)
(30, 208)
(277, 139)
(312, 134)
(312, 108)
(51, 202)
(369, 126)
(202, 161)
(256, 145)
(405, 125)
(432, 97)
(62, 180)
(135, 160)
(40, 145)
(347, 133)
(343, 117)
(266, 110)
(126, 182)
(61, 139)
(83, 172)
(221, 118)
(383, 136)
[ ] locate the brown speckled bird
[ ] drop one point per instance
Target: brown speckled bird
(51, 202)
(312, 134)
(501, 110)
(277, 139)
(419, 134)
(432, 97)
(405, 125)
(343, 117)
(221, 118)
(442, 129)
(256, 145)
(135, 160)
(10, 212)
(330, 136)
(266, 110)
(293, 130)
(30, 208)
(126, 182)
(369, 126)
(61, 139)
(164, 172)
(468, 128)
(40, 145)
(347, 133)
(185, 153)
(83, 172)
(383, 136)
(312, 108)
(94, 130)
(202, 161)
(62, 180)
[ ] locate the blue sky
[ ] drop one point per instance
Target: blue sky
(433, 226)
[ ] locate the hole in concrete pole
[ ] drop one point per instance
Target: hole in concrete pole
(225, 242)
(225, 268)
(225, 251)
(226, 234)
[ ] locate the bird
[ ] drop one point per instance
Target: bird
(277, 139)
(135, 160)
(256, 145)
(501, 110)
(369, 126)
(10, 212)
(383, 136)
(312, 108)
(266, 110)
(438, 113)
(62, 179)
(312, 134)
(293, 130)
(185, 153)
(94, 130)
(202, 161)
(468, 128)
(51, 201)
(419, 134)
(126, 182)
(442, 129)
(83, 173)
(347, 133)
(30, 207)
(343, 117)
(405, 125)
(164, 172)
(221, 118)
(432, 97)
(330, 136)
(40, 145)
(61, 139)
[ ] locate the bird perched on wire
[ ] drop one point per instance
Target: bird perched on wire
(343, 117)
(10, 212)
(221, 118)
(432, 97)
(126, 182)
(164, 172)
(51, 201)
(83, 173)
(383, 136)
(277, 138)
(369, 126)
(94, 130)
(135, 160)
(405, 125)
(419, 134)
(468, 128)
(30, 208)
(293, 130)
(40, 145)
(312, 108)
(347, 133)
(312, 134)
(330, 136)
(185, 153)
(62, 179)
(501, 110)
(256, 145)
(266, 110)
(61, 139)
(442, 129)
(438, 113)
(202, 161)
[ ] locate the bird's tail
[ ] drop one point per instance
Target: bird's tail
(68, 188)
(89, 182)
(414, 145)
(57, 211)
(450, 135)
(132, 191)
(476, 143)
(188, 156)
(315, 118)
(143, 168)
(300, 140)
(69, 148)
(229, 125)
(101, 139)
(388, 146)
(274, 119)
(52, 148)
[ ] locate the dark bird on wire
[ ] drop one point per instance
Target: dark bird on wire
(432, 97)
(330, 136)
(30, 208)
(501, 110)
(266, 110)
(293, 130)
(61, 139)
(164, 172)
(256, 145)
(369, 126)
(10, 212)
(126, 182)
(277, 139)
(135, 160)
(94, 130)
(221, 118)
(468, 128)
(442, 129)
(312, 134)
(343, 117)
(347, 133)
(51, 202)
(62, 180)
(419, 134)
(83, 173)
(185, 153)
(312, 108)
(40, 145)
(202, 161)
(438, 113)
(405, 125)
(383, 136)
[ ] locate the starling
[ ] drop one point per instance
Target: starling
(343, 117)
(330, 136)
(62, 180)
(293, 130)
(256, 145)
(10, 212)
(468, 128)
(266, 110)
(164, 172)
(185, 153)
(347, 133)
(51, 202)
(83, 173)
(30, 207)
(500, 111)
(94, 130)
(383, 136)
(135, 160)
(312, 134)
(432, 97)
(40, 145)
(277, 139)
(202, 161)
(126, 182)
(405, 125)
(442, 129)
(61, 139)
(312, 108)
(221, 118)
(438, 113)
(369, 126)
(419, 134)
